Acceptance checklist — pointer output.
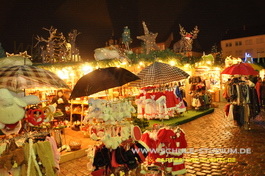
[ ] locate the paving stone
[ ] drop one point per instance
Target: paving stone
(215, 164)
(242, 163)
(190, 174)
(191, 171)
(215, 167)
(190, 167)
(203, 155)
(197, 169)
(205, 164)
(224, 173)
(224, 169)
(206, 168)
(206, 171)
(197, 165)
(216, 170)
(216, 174)
(200, 173)
(188, 163)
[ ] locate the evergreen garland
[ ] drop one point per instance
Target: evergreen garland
(164, 56)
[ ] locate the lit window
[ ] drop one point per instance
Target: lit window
(238, 43)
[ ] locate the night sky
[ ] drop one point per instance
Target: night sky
(98, 20)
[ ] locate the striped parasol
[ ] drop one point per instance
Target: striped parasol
(159, 73)
(20, 77)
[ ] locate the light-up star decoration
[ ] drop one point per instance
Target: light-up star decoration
(149, 39)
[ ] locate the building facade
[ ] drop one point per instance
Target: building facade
(242, 43)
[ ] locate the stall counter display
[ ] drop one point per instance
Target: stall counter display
(201, 98)
(78, 107)
(215, 94)
(18, 157)
(242, 101)
(108, 122)
(162, 102)
(169, 144)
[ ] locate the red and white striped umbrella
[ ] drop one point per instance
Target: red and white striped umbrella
(159, 73)
(19, 77)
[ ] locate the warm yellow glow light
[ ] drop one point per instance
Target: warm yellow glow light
(209, 62)
(72, 74)
(87, 69)
(172, 63)
(217, 68)
(63, 74)
(187, 65)
(124, 63)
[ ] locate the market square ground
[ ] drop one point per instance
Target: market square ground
(209, 132)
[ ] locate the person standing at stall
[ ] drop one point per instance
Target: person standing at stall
(61, 102)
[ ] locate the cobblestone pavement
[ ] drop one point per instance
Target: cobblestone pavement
(211, 133)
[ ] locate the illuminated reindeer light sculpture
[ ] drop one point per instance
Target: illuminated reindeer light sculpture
(184, 45)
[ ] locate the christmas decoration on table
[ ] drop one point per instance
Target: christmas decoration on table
(58, 114)
(109, 112)
(41, 117)
(52, 125)
(126, 38)
(108, 124)
(75, 145)
(149, 39)
(34, 116)
(184, 45)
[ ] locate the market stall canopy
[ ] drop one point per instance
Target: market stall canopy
(159, 73)
(20, 77)
(240, 69)
(102, 79)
